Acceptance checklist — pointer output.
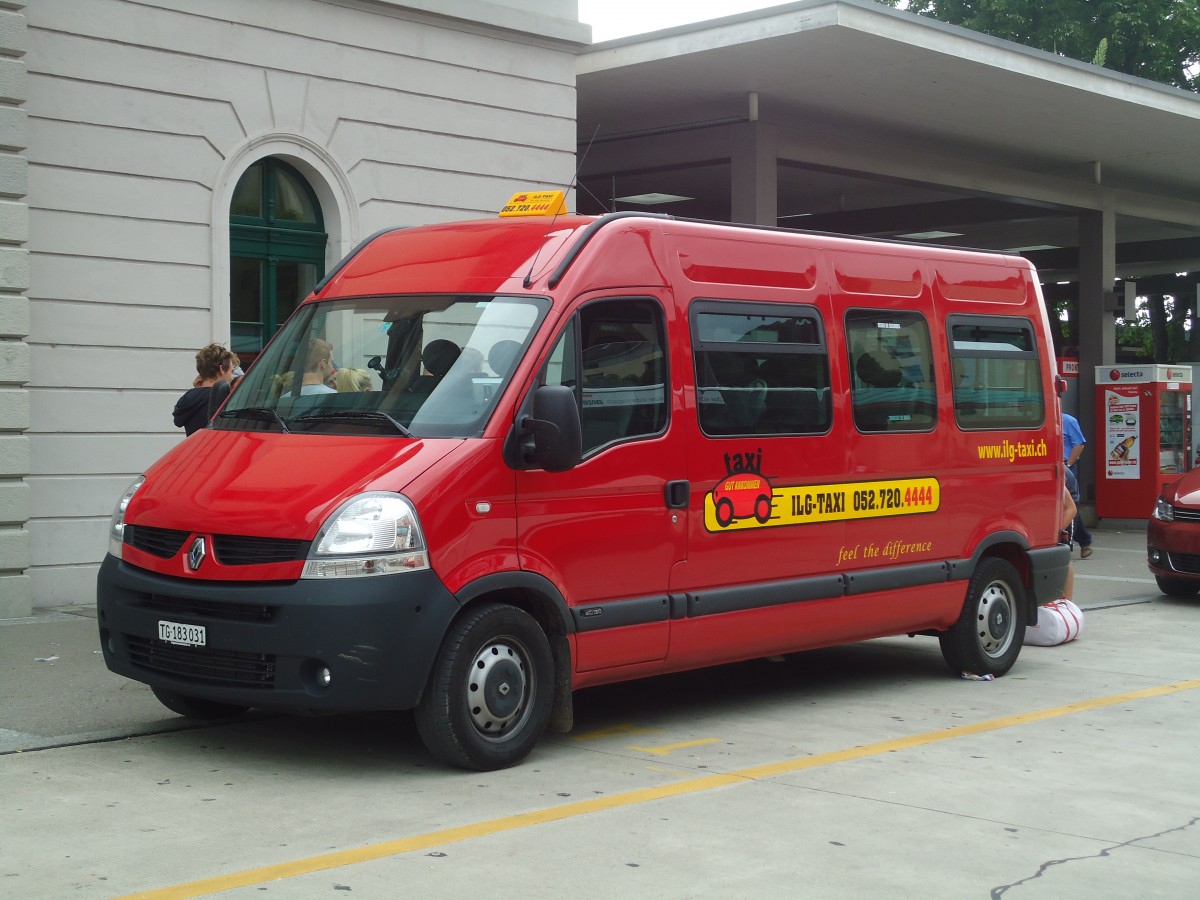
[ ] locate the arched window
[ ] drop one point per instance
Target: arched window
(277, 252)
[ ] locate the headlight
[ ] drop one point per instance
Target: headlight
(1164, 511)
(372, 534)
(116, 530)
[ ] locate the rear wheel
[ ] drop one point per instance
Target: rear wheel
(489, 697)
(986, 640)
(195, 707)
(1177, 587)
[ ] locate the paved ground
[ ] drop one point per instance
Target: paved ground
(851, 772)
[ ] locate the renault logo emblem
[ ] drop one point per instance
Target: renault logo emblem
(196, 554)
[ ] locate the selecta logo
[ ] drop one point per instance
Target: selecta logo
(1118, 375)
(1114, 374)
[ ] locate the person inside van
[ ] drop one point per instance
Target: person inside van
(318, 368)
(352, 380)
(213, 363)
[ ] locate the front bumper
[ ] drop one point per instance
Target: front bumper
(1173, 549)
(266, 643)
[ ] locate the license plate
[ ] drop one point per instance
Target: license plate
(180, 634)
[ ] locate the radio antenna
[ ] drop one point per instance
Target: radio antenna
(574, 183)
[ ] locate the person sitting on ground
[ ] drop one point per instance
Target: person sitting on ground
(213, 363)
(1067, 524)
(1060, 621)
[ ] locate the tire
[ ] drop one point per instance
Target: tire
(1177, 587)
(196, 708)
(490, 694)
(724, 511)
(987, 638)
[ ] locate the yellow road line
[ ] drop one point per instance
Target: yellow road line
(613, 731)
(666, 749)
(264, 874)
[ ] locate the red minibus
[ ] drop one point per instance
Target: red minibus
(593, 450)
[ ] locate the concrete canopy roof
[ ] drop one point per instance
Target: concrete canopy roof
(887, 123)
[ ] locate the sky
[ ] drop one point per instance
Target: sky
(612, 19)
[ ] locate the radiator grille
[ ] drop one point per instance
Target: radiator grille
(235, 550)
(211, 666)
(1188, 563)
(208, 609)
(161, 542)
(1186, 515)
(230, 549)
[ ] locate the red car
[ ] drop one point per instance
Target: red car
(1173, 537)
(741, 496)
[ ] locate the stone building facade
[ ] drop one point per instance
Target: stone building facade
(129, 132)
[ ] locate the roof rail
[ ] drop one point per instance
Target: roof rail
(590, 232)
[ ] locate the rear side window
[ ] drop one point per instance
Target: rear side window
(891, 371)
(997, 378)
(760, 369)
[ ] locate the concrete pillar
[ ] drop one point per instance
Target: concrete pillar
(1097, 328)
(16, 591)
(754, 178)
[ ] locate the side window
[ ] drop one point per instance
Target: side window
(613, 354)
(997, 379)
(891, 370)
(760, 369)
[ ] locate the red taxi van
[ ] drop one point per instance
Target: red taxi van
(597, 449)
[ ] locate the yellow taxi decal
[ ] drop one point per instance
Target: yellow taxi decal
(730, 506)
(536, 203)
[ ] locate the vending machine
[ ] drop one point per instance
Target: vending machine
(1143, 424)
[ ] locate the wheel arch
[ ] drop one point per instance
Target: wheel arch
(1013, 548)
(540, 598)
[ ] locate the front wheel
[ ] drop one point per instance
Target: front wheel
(195, 707)
(1177, 587)
(490, 694)
(986, 639)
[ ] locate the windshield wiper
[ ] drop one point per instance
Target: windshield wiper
(361, 415)
(262, 413)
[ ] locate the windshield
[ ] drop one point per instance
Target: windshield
(423, 366)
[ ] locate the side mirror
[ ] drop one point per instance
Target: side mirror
(555, 442)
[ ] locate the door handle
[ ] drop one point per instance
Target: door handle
(678, 494)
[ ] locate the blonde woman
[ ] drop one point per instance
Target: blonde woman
(352, 380)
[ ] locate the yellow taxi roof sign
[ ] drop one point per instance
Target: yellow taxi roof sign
(536, 203)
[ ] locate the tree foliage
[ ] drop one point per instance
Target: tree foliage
(1154, 39)
(1165, 331)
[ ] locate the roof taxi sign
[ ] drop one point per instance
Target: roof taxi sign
(536, 203)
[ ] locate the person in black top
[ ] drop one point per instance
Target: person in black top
(213, 363)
